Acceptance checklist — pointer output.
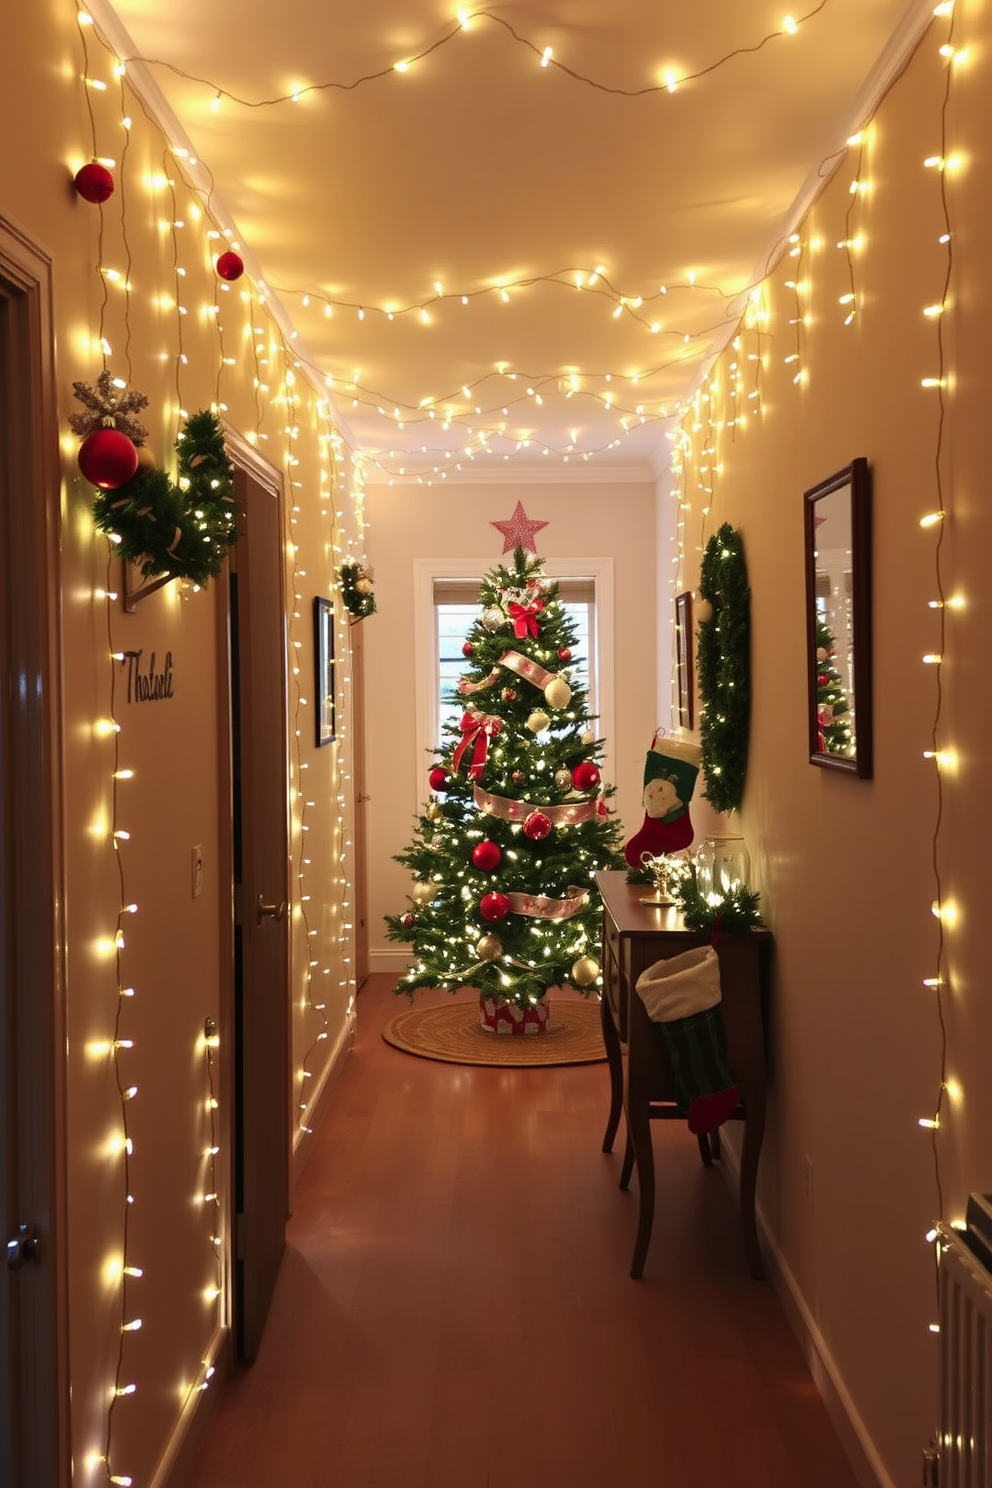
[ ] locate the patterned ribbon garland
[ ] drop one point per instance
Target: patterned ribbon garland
(571, 814)
(531, 671)
(539, 907)
(477, 728)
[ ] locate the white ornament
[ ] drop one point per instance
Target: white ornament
(492, 618)
(585, 971)
(557, 694)
(702, 609)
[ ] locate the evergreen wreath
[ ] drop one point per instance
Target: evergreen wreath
(724, 664)
(355, 578)
(181, 530)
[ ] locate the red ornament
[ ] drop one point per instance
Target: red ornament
(94, 183)
(438, 778)
(537, 826)
(494, 907)
(408, 921)
(230, 266)
(585, 776)
(486, 856)
(509, 695)
(601, 808)
(564, 654)
(518, 777)
(107, 459)
(467, 648)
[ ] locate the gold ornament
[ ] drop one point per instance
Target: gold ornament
(563, 779)
(489, 948)
(433, 811)
(557, 694)
(585, 971)
(363, 586)
(492, 618)
(538, 721)
(423, 893)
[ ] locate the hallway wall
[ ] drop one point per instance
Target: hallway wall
(848, 868)
(134, 285)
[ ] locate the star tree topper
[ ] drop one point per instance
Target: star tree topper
(518, 530)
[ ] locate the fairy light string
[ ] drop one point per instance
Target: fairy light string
(940, 982)
(670, 84)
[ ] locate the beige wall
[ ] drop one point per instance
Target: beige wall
(846, 866)
(176, 954)
(407, 523)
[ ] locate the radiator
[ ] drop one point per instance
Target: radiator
(964, 1436)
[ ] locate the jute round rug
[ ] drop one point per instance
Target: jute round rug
(452, 1033)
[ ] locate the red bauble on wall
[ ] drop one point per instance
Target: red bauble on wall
(94, 182)
(438, 778)
(107, 459)
(585, 776)
(537, 826)
(486, 856)
(494, 907)
(230, 266)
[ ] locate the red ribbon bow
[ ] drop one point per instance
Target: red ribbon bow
(524, 618)
(477, 729)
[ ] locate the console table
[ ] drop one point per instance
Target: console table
(636, 935)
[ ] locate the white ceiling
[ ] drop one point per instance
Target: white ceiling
(478, 168)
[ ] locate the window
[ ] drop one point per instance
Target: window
(456, 608)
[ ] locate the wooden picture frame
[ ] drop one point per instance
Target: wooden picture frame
(683, 659)
(323, 654)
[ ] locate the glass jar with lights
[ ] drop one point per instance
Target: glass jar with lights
(722, 866)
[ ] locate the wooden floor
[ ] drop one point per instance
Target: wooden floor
(454, 1308)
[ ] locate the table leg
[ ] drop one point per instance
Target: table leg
(639, 1130)
(611, 1042)
(754, 1130)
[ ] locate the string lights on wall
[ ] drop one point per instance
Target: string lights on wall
(696, 444)
(189, 233)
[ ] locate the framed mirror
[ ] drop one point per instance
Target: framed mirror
(838, 620)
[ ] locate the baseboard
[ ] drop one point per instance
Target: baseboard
(854, 1437)
(328, 1079)
(201, 1404)
(396, 963)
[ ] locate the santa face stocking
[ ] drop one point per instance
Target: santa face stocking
(670, 772)
(682, 996)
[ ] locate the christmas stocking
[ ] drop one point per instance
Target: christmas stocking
(682, 995)
(670, 772)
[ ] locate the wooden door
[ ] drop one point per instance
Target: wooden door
(34, 1400)
(262, 1050)
(357, 638)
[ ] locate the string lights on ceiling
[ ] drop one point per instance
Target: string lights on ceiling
(670, 79)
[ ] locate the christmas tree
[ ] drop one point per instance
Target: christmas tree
(503, 856)
(833, 715)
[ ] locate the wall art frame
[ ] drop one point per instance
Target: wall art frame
(323, 653)
(683, 659)
(837, 544)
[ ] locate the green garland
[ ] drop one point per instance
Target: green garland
(724, 663)
(180, 530)
(359, 602)
(737, 910)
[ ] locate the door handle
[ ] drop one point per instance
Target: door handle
(265, 911)
(22, 1247)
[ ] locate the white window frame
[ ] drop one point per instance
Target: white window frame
(426, 570)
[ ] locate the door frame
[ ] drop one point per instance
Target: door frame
(35, 960)
(246, 458)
